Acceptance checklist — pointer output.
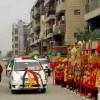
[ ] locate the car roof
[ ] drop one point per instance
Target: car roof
(24, 60)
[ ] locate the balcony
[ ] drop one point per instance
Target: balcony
(48, 33)
(92, 14)
(29, 39)
(39, 40)
(15, 42)
(59, 28)
(15, 35)
(31, 43)
(37, 15)
(46, 2)
(35, 40)
(32, 14)
(31, 32)
(15, 48)
(60, 7)
(37, 28)
(50, 15)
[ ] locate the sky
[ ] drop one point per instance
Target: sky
(10, 12)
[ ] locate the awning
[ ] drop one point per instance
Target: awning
(92, 14)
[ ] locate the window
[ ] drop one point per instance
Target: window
(16, 38)
(16, 52)
(16, 45)
(77, 12)
(20, 66)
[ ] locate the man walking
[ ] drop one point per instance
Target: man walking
(1, 70)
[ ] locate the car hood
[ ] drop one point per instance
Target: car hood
(20, 74)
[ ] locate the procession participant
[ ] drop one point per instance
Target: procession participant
(64, 72)
(57, 72)
(1, 70)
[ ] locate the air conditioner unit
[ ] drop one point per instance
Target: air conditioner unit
(52, 43)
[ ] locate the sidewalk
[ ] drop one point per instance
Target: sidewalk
(64, 92)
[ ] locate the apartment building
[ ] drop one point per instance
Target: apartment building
(55, 22)
(63, 20)
(26, 32)
(33, 48)
(92, 17)
(19, 40)
(37, 27)
(15, 43)
(49, 21)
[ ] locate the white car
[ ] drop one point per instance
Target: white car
(44, 63)
(27, 74)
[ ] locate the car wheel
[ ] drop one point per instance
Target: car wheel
(12, 91)
(43, 90)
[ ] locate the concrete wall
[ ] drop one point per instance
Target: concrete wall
(21, 37)
(74, 22)
(93, 4)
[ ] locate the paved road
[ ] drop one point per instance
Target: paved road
(53, 92)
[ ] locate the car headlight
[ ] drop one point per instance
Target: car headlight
(43, 77)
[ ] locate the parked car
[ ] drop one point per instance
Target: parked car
(45, 63)
(24, 71)
(9, 64)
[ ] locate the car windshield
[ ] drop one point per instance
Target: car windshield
(21, 66)
(43, 61)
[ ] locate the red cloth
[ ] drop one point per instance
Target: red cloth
(69, 81)
(98, 48)
(52, 65)
(57, 75)
(1, 69)
(89, 86)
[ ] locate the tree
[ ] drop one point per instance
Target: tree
(83, 35)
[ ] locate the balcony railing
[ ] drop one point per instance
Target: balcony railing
(37, 29)
(46, 2)
(37, 16)
(31, 32)
(48, 33)
(50, 15)
(50, 12)
(59, 28)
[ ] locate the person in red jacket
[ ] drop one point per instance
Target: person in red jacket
(1, 70)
